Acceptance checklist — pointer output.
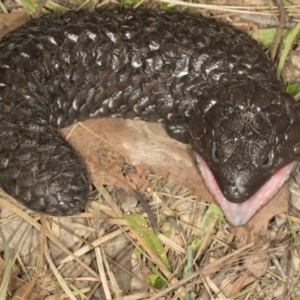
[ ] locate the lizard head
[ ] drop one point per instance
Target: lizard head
(246, 141)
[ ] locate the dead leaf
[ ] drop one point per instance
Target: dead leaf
(139, 178)
(11, 21)
(14, 228)
(147, 145)
(18, 287)
(255, 231)
(104, 144)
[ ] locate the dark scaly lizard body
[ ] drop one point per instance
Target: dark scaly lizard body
(212, 85)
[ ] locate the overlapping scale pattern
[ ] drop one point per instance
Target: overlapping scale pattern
(64, 68)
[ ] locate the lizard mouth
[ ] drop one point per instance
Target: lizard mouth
(238, 214)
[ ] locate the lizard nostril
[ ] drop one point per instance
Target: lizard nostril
(236, 194)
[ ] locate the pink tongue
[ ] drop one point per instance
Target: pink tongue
(239, 214)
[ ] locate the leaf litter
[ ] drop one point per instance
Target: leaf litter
(101, 253)
(76, 245)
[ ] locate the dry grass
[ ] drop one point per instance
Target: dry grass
(98, 255)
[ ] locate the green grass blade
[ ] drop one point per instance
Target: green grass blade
(289, 41)
(147, 234)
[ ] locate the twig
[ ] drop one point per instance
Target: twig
(147, 209)
(38, 11)
(282, 17)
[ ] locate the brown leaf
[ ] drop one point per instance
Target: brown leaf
(104, 144)
(18, 287)
(9, 22)
(255, 231)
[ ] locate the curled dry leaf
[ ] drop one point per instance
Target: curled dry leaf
(104, 144)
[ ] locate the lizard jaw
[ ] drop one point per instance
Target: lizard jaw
(238, 214)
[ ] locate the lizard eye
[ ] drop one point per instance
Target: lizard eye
(268, 160)
(215, 155)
